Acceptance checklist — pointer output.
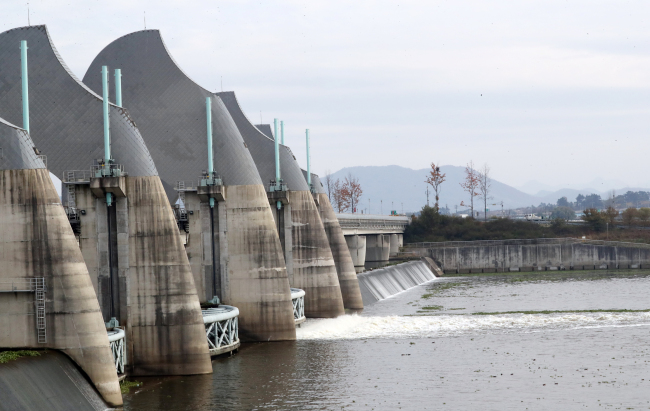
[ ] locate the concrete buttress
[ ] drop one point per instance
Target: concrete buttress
(132, 248)
(37, 242)
(306, 266)
(340, 251)
(234, 249)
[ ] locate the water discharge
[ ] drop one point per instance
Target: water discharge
(383, 283)
(351, 327)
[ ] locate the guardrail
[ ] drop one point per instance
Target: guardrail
(117, 340)
(221, 329)
(77, 176)
(298, 301)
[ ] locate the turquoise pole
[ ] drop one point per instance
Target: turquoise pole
(118, 87)
(107, 131)
(277, 151)
(208, 113)
(282, 131)
(23, 61)
(308, 159)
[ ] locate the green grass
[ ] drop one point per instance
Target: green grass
(562, 312)
(6, 356)
(125, 386)
(438, 288)
(432, 307)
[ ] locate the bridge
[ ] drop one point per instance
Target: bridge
(372, 239)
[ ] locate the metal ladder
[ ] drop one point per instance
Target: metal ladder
(72, 199)
(39, 288)
(181, 193)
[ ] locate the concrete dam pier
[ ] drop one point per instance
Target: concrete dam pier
(533, 255)
(224, 215)
(342, 259)
(47, 298)
(123, 221)
(310, 263)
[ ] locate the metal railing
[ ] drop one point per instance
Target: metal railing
(117, 340)
(34, 285)
(372, 221)
(186, 185)
(77, 176)
(298, 301)
(221, 329)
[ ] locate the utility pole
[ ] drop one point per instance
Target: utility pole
(427, 195)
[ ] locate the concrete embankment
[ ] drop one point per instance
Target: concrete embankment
(534, 255)
(382, 283)
(50, 381)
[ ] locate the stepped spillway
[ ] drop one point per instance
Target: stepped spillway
(385, 282)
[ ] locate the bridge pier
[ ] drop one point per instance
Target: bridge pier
(377, 249)
(396, 241)
(357, 247)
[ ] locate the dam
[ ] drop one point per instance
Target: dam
(184, 236)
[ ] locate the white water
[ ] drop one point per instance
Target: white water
(350, 327)
(380, 284)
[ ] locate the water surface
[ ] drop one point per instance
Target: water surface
(443, 345)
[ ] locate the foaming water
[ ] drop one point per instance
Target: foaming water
(354, 327)
(383, 283)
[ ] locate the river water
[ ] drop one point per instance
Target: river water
(539, 341)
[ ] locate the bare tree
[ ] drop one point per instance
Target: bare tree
(339, 196)
(484, 186)
(471, 184)
(353, 191)
(435, 179)
(329, 182)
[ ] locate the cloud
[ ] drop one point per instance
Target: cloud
(544, 90)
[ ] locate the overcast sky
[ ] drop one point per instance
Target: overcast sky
(554, 91)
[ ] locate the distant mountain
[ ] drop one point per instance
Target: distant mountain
(398, 188)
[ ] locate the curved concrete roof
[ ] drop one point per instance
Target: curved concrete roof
(170, 110)
(17, 151)
(263, 148)
(265, 129)
(66, 120)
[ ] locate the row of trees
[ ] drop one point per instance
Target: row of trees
(343, 195)
(629, 199)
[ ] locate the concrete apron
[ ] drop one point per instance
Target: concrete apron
(37, 241)
(154, 297)
(311, 264)
(251, 271)
(344, 266)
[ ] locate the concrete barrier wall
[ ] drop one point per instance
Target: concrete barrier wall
(533, 257)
